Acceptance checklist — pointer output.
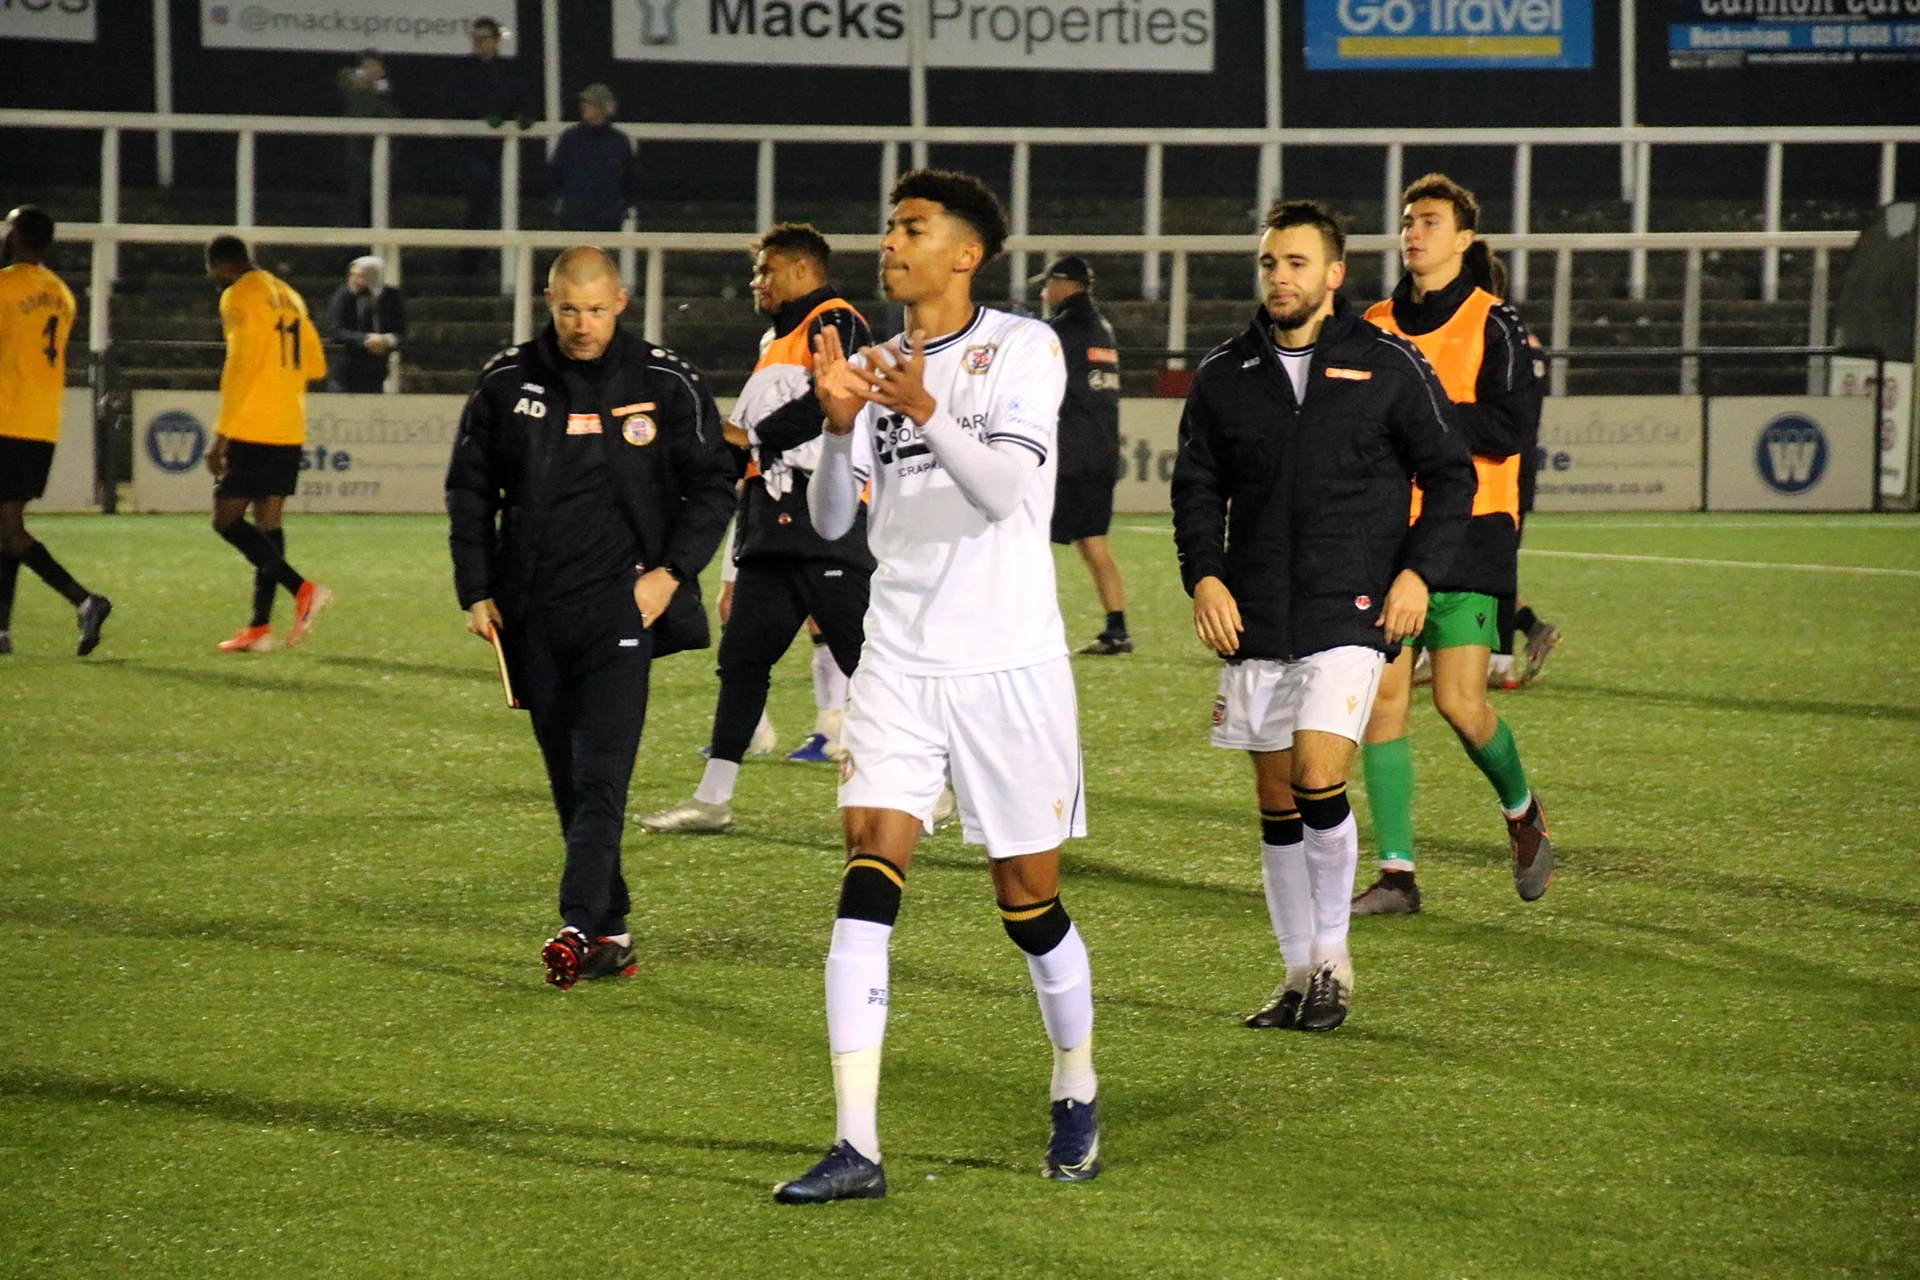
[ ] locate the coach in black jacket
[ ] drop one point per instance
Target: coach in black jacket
(1299, 443)
(588, 488)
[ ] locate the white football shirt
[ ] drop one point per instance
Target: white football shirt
(956, 593)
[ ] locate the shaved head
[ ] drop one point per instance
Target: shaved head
(585, 298)
(583, 265)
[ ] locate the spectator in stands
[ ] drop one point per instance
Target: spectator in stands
(486, 87)
(592, 170)
(365, 93)
(365, 322)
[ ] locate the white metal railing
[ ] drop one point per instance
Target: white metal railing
(519, 248)
(1636, 142)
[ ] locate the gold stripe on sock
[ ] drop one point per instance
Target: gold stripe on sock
(1324, 793)
(881, 865)
(1014, 915)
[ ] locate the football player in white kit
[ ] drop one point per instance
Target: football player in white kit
(965, 669)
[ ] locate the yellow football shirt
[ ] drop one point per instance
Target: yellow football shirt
(273, 351)
(36, 319)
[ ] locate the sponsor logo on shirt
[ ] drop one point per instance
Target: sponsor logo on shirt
(1103, 355)
(532, 408)
(1351, 375)
(534, 387)
(639, 429)
(979, 358)
(583, 424)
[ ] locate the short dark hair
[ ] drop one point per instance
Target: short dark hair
(1311, 213)
(488, 23)
(1438, 186)
(802, 239)
(34, 226)
(963, 196)
(230, 250)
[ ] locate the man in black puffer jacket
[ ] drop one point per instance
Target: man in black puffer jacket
(1298, 449)
(589, 487)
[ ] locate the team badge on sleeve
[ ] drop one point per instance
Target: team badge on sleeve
(639, 429)
(1363, 602)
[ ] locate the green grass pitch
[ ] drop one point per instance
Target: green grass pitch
(270, 1004)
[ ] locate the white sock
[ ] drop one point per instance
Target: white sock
(716, 784)
(624, 939)
(1500, 665)
(829, 682)
(856, 1026)
(1521, 812)
(828, 723)
(762, 732)
(1063, 979)
(1283, 871)
(1332, 857)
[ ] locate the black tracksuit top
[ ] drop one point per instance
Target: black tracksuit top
(671, 473)
(1089, 432)
(1301, 510)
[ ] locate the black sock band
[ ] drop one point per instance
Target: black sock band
(253, 544)
(1116, 622)
(9, 579)
(1037, 927)
(1280, 826)
(1524, 618)
(1324, 809)
(263, 583)
(1505, 620)
(870, 890)
(41, 561)
(818, 637)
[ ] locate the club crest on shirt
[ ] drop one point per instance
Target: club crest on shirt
(979, 359)
(1363, 602)
(639, 429)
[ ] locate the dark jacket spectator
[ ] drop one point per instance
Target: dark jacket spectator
(365, 323)
(592, 169)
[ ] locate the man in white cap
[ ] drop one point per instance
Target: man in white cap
(366, 320)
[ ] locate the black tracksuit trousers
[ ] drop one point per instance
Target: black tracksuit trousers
(771, 598)
(582, 671)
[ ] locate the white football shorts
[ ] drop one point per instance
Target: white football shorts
(1263, 702)
(1010, 740)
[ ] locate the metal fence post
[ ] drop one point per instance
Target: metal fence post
(510, 215)
(889, 174)
(1642, 198)
(1522, 219)
(522, 255)
(1390, 214)
(1690, 326)
(243, 179)
(654, 314)
(1889, 157)
(763, 185)
(1770, 258)
(1022, 202)
(1177, 312)
(1150, 220)
(1817, 321)
(105, 262)
(1562, 317)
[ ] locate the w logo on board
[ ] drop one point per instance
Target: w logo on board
(176, 441)
(1791, 453)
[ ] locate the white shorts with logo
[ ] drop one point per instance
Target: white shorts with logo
(1010, 740)
(1263, 702)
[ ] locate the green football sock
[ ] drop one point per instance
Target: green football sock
(1500, 761)
(1389, 770)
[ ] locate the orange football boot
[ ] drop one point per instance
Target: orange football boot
(308, 604)
(249, 640)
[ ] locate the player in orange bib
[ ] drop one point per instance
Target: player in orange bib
(36, 319)
(273, 351)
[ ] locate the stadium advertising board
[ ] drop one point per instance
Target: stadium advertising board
(70, 483)
(1850, 376)
(1619, 453)
(393, 26)
(363, 453)
(1149, 441)
(1729, 34)
(1036, 35)
(74, 20)
(1451, 35)
(1786, 453)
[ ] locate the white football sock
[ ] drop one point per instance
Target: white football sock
(829, 682)
(1332, 857)
(1500, 666)
(624, 939)
(716, 784)
(1063, 979)
(856, 1026)
(1283, 872)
